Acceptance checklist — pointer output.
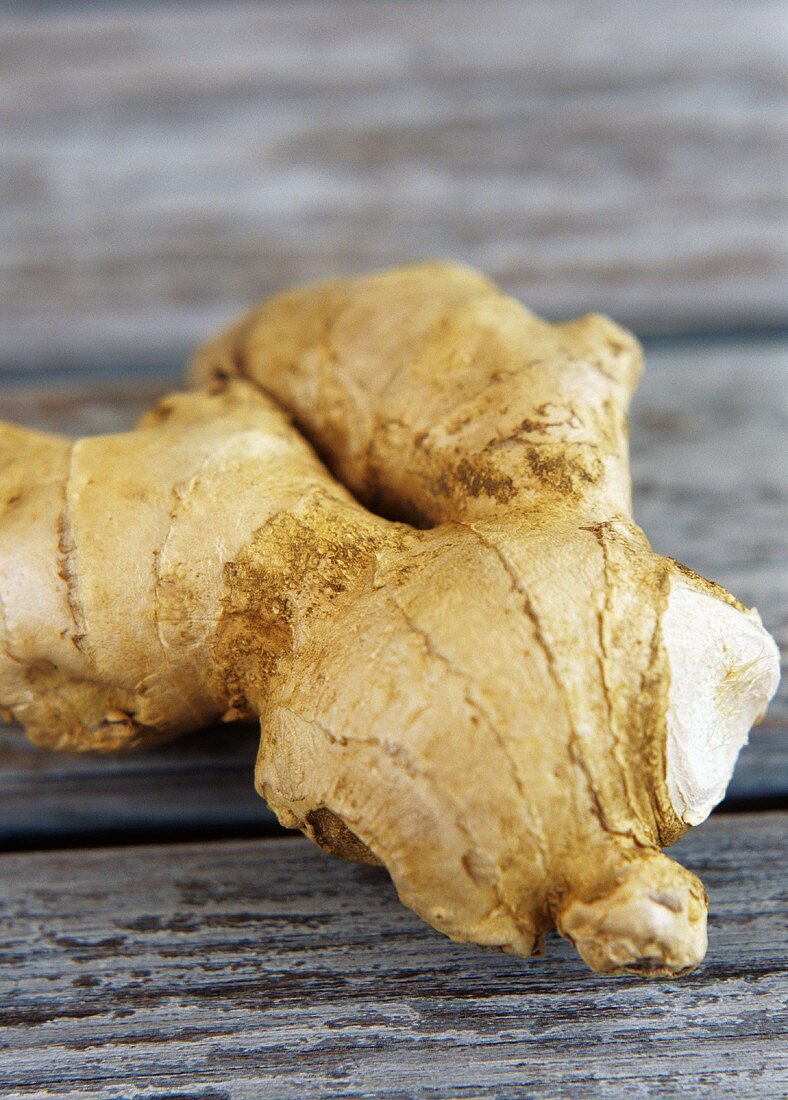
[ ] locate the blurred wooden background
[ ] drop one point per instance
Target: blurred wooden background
(164, 165)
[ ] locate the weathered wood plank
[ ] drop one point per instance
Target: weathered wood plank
(707, 434)
(164, 165)
(201, 784)
(267, 969)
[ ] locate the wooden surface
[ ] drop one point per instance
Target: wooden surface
(709, 490)
(166, 164)
(258, 969)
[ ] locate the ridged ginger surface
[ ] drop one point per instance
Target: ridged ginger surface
(467, 662)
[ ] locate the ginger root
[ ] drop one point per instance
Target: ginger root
(468, 663)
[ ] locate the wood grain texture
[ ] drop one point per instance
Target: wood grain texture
(202, 784)
(258, 969)
(165, 164)
(708, 428)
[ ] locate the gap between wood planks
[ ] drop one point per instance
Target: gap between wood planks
(168, 364)
(268, 830)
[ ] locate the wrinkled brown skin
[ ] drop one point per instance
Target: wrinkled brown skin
(471, 690)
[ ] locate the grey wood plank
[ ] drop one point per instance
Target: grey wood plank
(268, 969)
(201, 784)
(166, 164)
(708, 431)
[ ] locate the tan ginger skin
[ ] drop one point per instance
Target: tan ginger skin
(468, 663)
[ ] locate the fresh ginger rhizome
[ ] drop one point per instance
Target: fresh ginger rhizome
(393, 520)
